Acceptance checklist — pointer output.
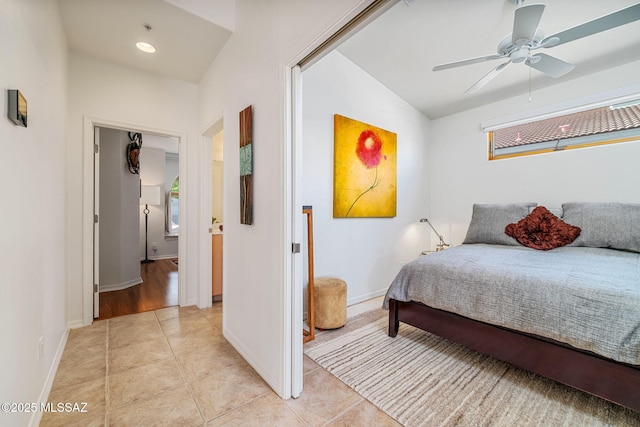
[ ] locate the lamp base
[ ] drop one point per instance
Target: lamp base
(146, 261)
(442, 246)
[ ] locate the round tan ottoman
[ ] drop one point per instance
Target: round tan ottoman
(330, 302)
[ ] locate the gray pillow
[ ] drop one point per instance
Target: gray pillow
(488, 222)
(605, 225)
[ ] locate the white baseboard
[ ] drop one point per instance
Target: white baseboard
(75, 324)
(160, 257)
(356, 300)
(365, 297)
(36, 416)
(120, 286)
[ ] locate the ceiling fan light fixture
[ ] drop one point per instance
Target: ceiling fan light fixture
(146, 47)
(533, 59)
(519, 55)
(521, 41)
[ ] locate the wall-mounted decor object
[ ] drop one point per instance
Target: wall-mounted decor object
(246, 166)
(364, 170)
(133, 152)
(17, 111)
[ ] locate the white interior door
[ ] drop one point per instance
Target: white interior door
(96, 225)
(297, 216)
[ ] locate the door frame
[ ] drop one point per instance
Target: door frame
(88, 244)
(96, 224)
(205, 199)
(352, 21)
(294, 268)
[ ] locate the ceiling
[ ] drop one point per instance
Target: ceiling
(399, 49)
(186, 35)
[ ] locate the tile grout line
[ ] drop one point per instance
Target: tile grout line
(362, 399)
(108, 407)
(302, 420)
(107, 394)
(149, 397)
(198, 406)
(241, 405)
(191, 392)
(186, 383)
(295, 412)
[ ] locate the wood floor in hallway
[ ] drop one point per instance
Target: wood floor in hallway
(159, 289)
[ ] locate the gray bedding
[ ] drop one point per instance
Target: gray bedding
(588, 298)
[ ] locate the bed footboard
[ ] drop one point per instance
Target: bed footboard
(610, 380)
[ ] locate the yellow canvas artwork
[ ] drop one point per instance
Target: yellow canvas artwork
(364, 170)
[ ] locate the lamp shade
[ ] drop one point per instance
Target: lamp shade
(150, 195)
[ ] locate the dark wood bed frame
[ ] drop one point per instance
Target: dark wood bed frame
(605, 378)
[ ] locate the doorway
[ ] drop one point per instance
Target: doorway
(212, 148)
(136, 243)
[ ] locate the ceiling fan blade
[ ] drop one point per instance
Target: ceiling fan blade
(525, 23)
(488, 77)
(604, 23)
(549, 65)
(467, 62)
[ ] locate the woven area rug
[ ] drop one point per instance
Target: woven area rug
(420, 379)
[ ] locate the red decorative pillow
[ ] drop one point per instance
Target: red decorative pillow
(542, 230)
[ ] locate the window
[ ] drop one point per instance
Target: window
(597, 126)
(173, 210)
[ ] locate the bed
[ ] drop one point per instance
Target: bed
(561, 298)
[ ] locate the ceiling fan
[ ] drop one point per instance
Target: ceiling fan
(526, 37)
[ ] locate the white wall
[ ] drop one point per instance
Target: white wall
(461, 174)
(250, 70)
(119, 266)
(33, 226)
(366, 252)
(148, 103)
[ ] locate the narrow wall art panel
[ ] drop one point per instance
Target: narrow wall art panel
(246, 166)
(17, 111)
(364, 170)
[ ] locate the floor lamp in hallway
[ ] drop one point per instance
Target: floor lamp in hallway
(149, 195)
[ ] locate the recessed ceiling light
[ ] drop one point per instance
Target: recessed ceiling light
(145, 47)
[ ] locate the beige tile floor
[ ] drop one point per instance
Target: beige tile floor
(173, 367)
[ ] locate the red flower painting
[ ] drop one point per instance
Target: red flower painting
(364, 172)
(369, 151)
